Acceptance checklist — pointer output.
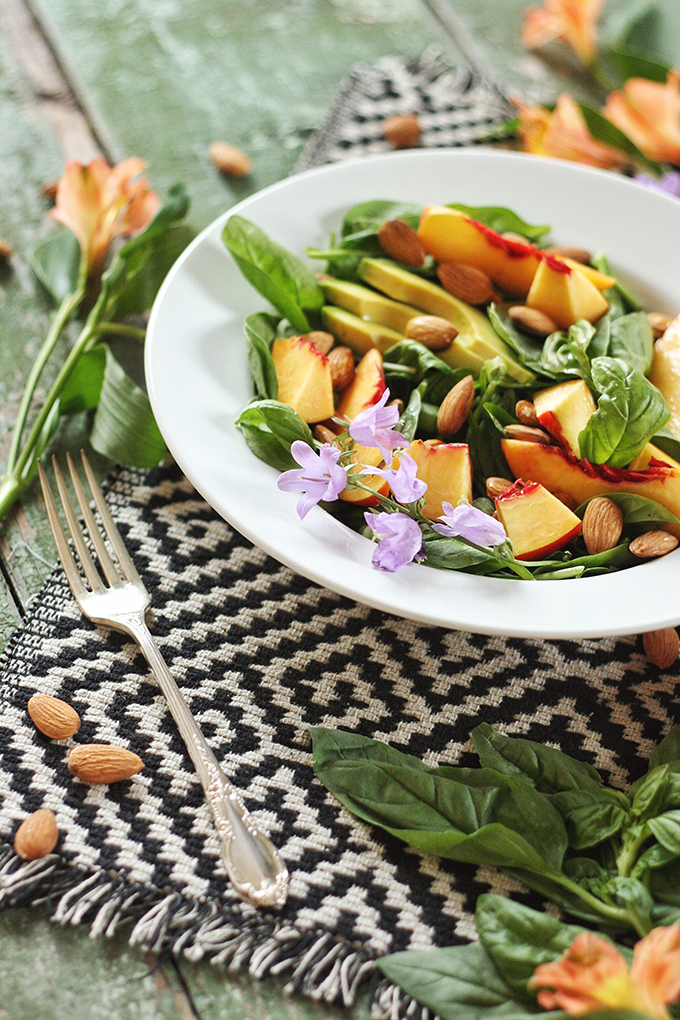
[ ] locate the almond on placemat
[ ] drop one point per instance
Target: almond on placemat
(401, 243)
(103, 763)
(37, 835)
(53, 717)
(466, 283)
(662, 646)
(230, 160)
(431, 331)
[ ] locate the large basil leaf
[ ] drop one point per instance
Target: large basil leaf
(655, 792)
(548, 769)
(519, 939)
(629, 412)
(276, 273)
(591, 816)
(260, 330)
(56, 263)
(668, 750)
(502, 220)
(626, 337)
(329, 746)
(630, 894)
(124, 427)
(666, 829)
(667, 442)
(270, 428)
(457, 983)
(474, 815)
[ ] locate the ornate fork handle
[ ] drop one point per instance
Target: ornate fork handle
(252, 862)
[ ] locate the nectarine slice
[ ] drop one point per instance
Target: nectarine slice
(665, 372)
(564, 294)
(304, 377)
(537, 522)
(564, 410)
(447, 470)
(366, 388)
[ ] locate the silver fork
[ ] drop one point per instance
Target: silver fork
(252, 862)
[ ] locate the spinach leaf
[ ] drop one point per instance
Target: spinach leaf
(527, 350)
(448, 553)
(591, 816)
(368, 216)
(667, 751)
(629, 412)
(499, 416)
(260, 330)
(546, 768)
(426, 366)
(270, 428)
(502, 220)
(519, 939)
(408, 423)
(456, 983)
(277, 274)
(635, 509)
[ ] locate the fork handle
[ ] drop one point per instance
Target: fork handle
(252, 862)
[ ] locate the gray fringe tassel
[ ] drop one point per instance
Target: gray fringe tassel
(317, 964)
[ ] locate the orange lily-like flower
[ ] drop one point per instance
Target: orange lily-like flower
(564, 134)
(99, 202)
(593, 975)
(648, 112)
(572, 21)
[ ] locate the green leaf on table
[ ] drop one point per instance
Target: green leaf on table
(270, 428)
(667, 751)
(591, 816)
(84, 385)
(519, 939)
(174, 208)
(603, 130)
(635, 509)
(56, 263)
(632, 65)
(456, 983)
(124, 428)
(274, 272)
(629, 412)
(261, 331)
(546, 768)
(147, 265)
(502, 220)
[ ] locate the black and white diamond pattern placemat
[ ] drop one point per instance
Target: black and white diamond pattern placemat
(261, 654)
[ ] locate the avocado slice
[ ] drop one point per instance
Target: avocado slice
(477, 341)
(358, 334)
(368, 304)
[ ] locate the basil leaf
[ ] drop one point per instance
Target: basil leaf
(667, 751)
(270, 428)
(260, 330)
(276, 273)
(56, 263)
(502, 220)
(667, 442)
(84, 385)
(652, 794)
(146, 268)
(635, 509)
(368, 216)
(629, 893)
(666, 830)
(564, 898)
(591, 816)
(664, 884)
(124, 428)
(603, 130)
(519, 939)
(632, 340)
(547, 769)
(330, 746)
(629, 412)
(456, 983)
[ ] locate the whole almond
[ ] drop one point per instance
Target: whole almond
(659, 323)
(661, 646)
(431, 331)
(531, 321)
(400, 241)
(6, 250)
(322, 341)
(230, 160)
(567, 499)
(455, 408)
(602, 525)
(402, 130)
(527, 434)
(466, 283)
(341, 361)
(102, 763)
(566, 251)
(526, 413)
(653, 544)
(53, 717)
(37, 835)
(495, 485)
(324, 435)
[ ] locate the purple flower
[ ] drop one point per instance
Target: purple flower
(466, 521)
(669, 184)
(400, 539)
(320, 478)
(375, 425)
(402, 481)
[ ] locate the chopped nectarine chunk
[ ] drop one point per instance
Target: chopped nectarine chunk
(304, 377)
(366, 388)
(564, 294)
(537, 522)
(564, 410)
(447, 470)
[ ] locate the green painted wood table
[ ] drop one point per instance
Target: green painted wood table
(161, 80)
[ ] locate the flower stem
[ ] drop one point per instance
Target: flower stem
(120, 329)
(618, 915)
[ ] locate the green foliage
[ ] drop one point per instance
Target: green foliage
(124, 427)
(502, 220)
(604, 131)
(84, 385)
(260, 330)
(56, 263)
(270, 428)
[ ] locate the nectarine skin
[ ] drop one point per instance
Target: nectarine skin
(537, 522)
(366, 388)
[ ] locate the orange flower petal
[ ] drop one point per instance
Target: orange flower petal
(656, 964)
(564, 134)
(572, 21)
(648, 112)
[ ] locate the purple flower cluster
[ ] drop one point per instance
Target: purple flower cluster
(405, 486)
(466, 521)
(321, 476)
(400, 539)
(668, 184)
(375, 427)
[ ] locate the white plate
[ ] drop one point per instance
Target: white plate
(198, 380)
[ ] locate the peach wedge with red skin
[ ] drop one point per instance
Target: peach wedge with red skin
(366, 388)
(564, 410)
(304, 378)
(447, 470)
(564, 294)
(537, 523)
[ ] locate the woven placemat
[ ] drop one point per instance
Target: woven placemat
(261, 654)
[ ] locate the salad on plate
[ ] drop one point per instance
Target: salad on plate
(465, 393)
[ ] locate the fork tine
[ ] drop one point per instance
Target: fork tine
(84, 555)
(114, 536)
(108, 566)
(63, 548)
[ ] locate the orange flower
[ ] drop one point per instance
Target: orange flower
(648, 112)
(564, 134)
(98, 202)
(593, 975)
(572, 21)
